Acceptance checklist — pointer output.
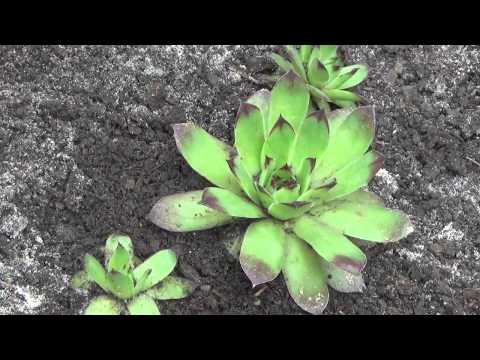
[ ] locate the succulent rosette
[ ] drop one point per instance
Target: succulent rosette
(298, 174)
(328, 79)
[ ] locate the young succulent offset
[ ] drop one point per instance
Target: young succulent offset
(298, 175)
(322, 69)
(130, 281)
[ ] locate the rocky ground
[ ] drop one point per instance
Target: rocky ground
(86, 149)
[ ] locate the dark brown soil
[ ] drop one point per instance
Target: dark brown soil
(86, 149)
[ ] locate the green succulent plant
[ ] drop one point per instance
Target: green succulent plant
(133, 285)
(298, 175)
(328, 79)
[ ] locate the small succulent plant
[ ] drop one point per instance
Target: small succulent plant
(328, 79)
(131, 282)
(298, 175)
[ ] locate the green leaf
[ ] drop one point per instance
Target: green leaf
(265, 197)
(261, 99)
(230, 203)
(330, 244)
(96, 272)
(249, 137)
(80, 280)
(342, 95)
(281, 62)
(279, 143)
(305, 51)
(351, 133)
(183, 212)
(296, 61)
(342, 280)
(262, 252)
(143, 305)
(172, 288)
(305, 173)
(120, 261)
(245, 179)
(103, 305)
(305, 277)
(160, 265)
(289, 211)
(121, 285)
(318, 74)
(327, 53)
(311, 140)
(359, 73)
(290, 99)
(355, 175)
(206, 155)
(366, 221)
(287, 195)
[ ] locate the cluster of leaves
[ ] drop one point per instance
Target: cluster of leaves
(135, 285)
(298, 173)
(327, 78)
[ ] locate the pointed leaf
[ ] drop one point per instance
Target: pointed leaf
(296, 61)
(352, 177)
(342, 280)
(281, 62)
(249, 137)
(143, 305)
(261, 99)
(343, 95)
(279, 143)
(262, 253)
(289, 211)
(318, 74)
(265, 197)
(160, 265)
(230, 203)
(357, 77)
(206, 155)
(369, 222)
(103, 305)
(120, 261)
(115, 240)
(172, 287)
(330, 244)
(327, 52)
(244, 178)
(286, 195)
(305, 51)
(183, 212)
(96, 272)
(305, 173)
(351, 133)
(290, 99)
(121, 285)
(311, 140)
(305, 277)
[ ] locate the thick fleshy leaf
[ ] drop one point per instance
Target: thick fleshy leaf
(262, 252)
(356, 77)
(290, 99)
(289, 211)
(265, 197)
(318, 74)
(80, 280)
(342, 280)
(245, 179)
(305, 276)
(330, 244)
(120, 261)
(183, 212)
(342, 95)
(96, 272)
(103, 305)
(296, 61)
(261, 99)
(351, 133)
(305, 173)
(268, 167)
(287, 195)
(143, 305)
(231, 203)
(172, 287)
(113, 242)
(305, 51)
(311, 140)
(122, 285)
(206, 155)
(371, 222)
(249, 137)
(281, 62)
(354, 176)
(160, 265)
(279, 143)
(326, 52)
